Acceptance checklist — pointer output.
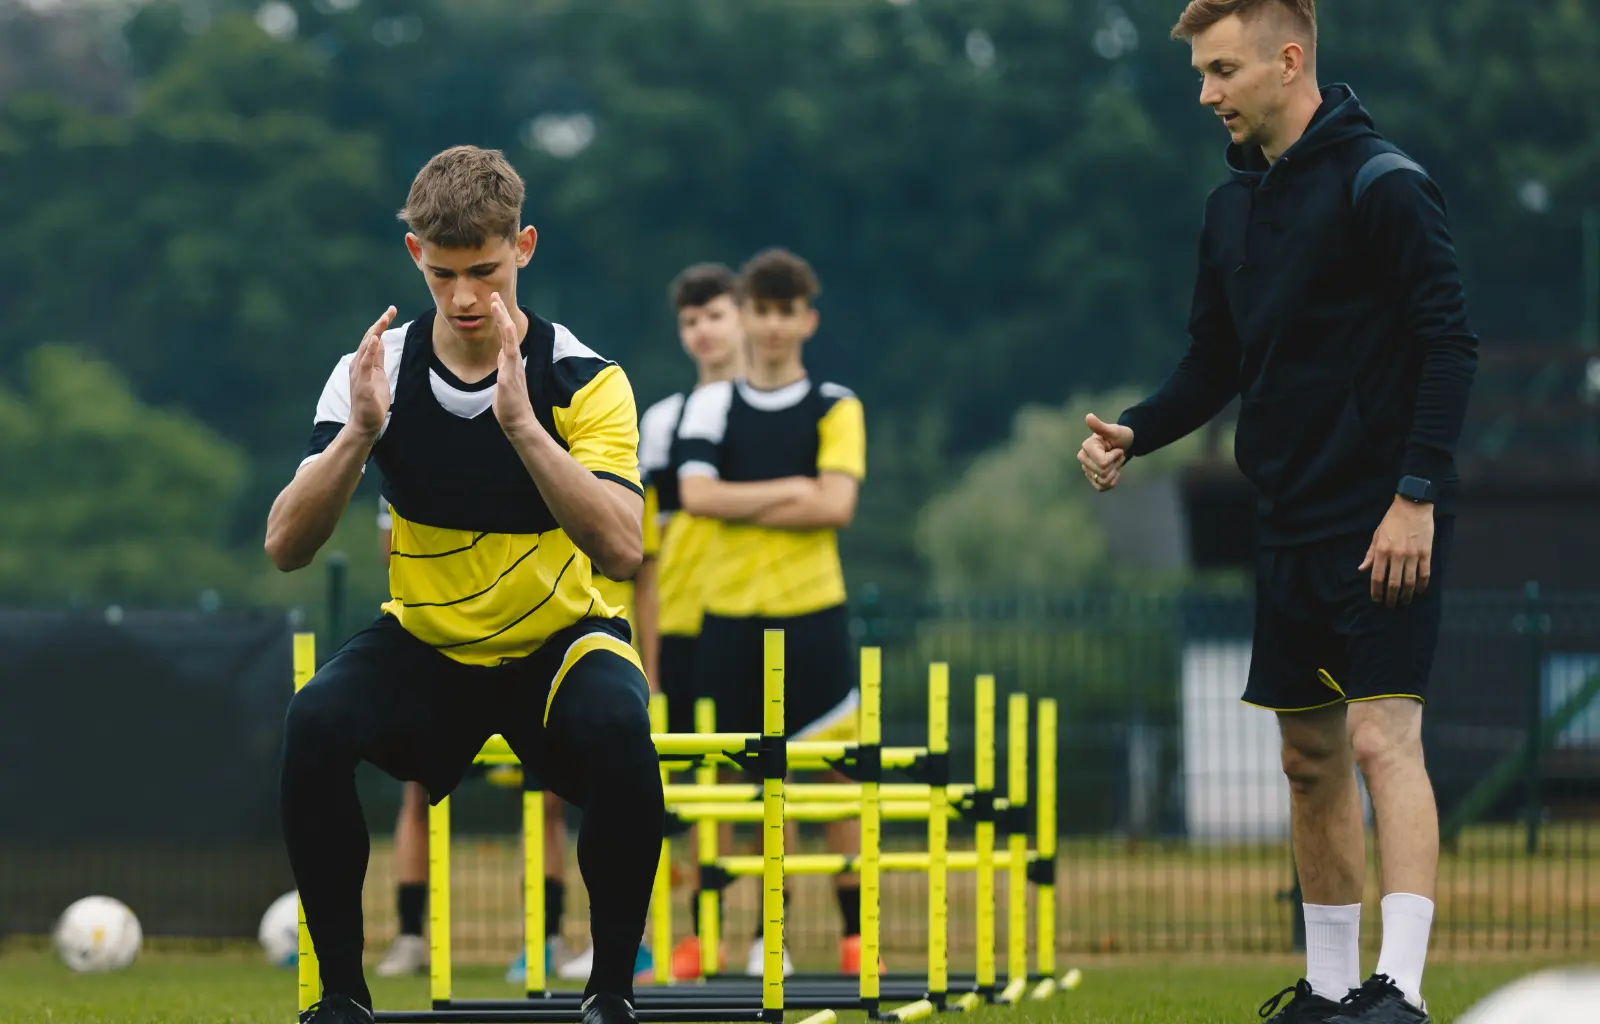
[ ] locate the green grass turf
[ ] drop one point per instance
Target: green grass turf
(236, 988)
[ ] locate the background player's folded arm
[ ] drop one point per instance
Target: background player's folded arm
(841, 465)
(1404, 216)
(701, 490)
(707, 496)
(829, 504)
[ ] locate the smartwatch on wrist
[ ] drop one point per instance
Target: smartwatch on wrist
(1415, 489)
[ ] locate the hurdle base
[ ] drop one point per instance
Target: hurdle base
(555, 1015)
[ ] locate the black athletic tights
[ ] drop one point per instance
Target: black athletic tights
(388, 699)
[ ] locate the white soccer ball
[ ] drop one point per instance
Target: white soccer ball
(1563, 994)
(280, 930)
(98, 933)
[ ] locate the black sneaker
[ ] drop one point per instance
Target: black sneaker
(1378, 1001)
(605, 1008)
(1304, 1006)
(336, 1010)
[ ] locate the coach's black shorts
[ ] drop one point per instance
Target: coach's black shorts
(675, 666)
(820, 699)
(1320, 638)
(422, 717)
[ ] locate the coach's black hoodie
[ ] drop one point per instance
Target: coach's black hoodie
(1333, 307)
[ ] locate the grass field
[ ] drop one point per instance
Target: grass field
(236, 988)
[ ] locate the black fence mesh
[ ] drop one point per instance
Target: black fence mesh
(139, 760)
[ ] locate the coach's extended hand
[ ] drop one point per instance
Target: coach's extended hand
(1104, 452)
(1401, 554)
(512, 406)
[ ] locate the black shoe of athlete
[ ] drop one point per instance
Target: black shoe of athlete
(336, 1010)
(605, 1008)
(1378, 1001)
(1304, 1006)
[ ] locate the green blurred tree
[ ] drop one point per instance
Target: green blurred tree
(1021, 516)
(123, 500)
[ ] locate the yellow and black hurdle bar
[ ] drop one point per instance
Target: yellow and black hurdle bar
(765, 752)
(933, 799)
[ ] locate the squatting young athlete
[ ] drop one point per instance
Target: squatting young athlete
(508, 452)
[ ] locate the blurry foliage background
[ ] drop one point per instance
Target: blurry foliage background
(1002, 198)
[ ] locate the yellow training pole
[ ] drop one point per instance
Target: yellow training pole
(985, 835)
(938, 833)
(871, 741)
(1046, 847)
(439, 902)
(661, 897)
(705, 720)
(305, 666)
(773, 770)
(1017, 840)
(533, 881)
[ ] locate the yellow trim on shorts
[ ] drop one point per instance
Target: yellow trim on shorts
(1326, 679)
(1291, 711)
(1391, 696)
(586, 644)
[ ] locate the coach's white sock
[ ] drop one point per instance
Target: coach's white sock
(1333, 949)
(1407, 919)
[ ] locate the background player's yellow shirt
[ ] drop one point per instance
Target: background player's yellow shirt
(479, 568)
(738, 433)
(681, 543)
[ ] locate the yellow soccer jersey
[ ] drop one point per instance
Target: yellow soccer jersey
(737, 433)
(680, 542)
(478, 566)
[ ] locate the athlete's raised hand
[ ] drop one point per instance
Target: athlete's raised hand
(369, 382)
(512, 406)
(1104, 452)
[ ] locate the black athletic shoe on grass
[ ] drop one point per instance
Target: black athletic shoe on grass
(1378, 1001)
(336, 1010)
(1304, 1006)
(604, 1008)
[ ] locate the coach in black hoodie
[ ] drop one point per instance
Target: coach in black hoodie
(1328, 301)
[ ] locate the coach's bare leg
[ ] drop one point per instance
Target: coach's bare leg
(1329, 847)
(1387, 738)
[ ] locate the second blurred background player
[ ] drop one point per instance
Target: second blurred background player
(670, 582)
(778, 460)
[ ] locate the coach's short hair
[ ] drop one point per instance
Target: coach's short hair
(777, 275)
(1202, 14)
(463, 197)
(699, 284)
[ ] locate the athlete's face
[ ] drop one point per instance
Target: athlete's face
(711, 333)
(1245, 71)
(464, 280)
(777, 329)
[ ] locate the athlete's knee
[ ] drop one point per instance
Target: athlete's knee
(1315, 751)
(318, 721)
(1386, 737)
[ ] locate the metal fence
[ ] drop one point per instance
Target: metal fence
(1172, 809)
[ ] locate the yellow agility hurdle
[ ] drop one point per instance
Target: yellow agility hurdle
(933, 799)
